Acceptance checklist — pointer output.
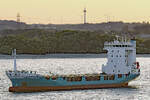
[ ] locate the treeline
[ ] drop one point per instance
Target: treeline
(37, 41)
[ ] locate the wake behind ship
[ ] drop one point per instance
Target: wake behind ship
(120, 69)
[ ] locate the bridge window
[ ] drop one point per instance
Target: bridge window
(126, 55)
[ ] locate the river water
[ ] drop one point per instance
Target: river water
(71, 64)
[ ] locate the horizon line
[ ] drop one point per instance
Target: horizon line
(121, 21)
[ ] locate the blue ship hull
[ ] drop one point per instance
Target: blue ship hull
(32, 84)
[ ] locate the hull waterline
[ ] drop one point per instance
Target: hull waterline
(60, 88)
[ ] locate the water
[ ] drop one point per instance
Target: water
(139, 90)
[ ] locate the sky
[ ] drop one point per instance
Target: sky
(71, 11)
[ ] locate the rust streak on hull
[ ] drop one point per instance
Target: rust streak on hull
(59, 88)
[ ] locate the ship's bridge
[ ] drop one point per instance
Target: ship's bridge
(118, 44)
(121, 57)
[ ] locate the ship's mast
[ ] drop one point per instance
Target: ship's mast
(14, 55)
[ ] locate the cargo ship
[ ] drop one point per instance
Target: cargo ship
(120, 69)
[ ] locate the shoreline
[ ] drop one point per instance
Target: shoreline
(46, 56)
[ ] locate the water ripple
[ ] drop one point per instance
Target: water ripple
(138, 89)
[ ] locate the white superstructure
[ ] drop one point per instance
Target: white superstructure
(121, 56)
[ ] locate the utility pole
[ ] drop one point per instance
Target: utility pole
(84, 15)
(18, 20)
